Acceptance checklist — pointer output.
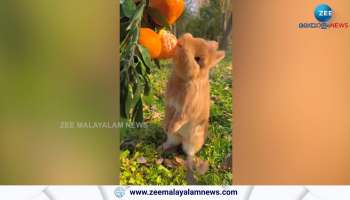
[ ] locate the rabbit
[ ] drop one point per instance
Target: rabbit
(187, 95)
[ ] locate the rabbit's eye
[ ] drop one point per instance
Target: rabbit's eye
(197, 59)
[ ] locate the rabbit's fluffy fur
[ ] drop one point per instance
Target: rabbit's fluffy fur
(187, 95)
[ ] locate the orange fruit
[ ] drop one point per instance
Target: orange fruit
(170, 9)
(168, 42)
(151, 41)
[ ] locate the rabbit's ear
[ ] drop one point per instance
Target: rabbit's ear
(181, 40)
(213, 45)
(187, 35)
(217, 57)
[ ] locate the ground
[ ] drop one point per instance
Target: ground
(141, 164)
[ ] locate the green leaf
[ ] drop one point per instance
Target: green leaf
(141, 69)
(158, 17)
(138, 111)
(136, 19)
(133, 69)
(128, 100)
(124, 154)
(147, 89)
(157, 63)
(145, 56)
(122, 14)
(135, 35)
(125, 98)
(128, 8)
(123, 24)
(159, 180)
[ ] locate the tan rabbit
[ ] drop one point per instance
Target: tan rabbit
(187, 95)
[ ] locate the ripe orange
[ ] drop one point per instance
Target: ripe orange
(151, 41)
(170, 9)
(168, 42)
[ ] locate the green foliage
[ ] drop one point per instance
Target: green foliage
(135, 173)
(142, 143)
(208, 23)
(135, 62)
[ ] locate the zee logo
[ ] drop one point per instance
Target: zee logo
(323, 13)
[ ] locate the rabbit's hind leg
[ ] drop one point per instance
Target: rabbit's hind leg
(191, 145)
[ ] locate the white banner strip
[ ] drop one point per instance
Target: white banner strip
(174, 192)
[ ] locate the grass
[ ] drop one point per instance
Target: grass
(141, 164)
